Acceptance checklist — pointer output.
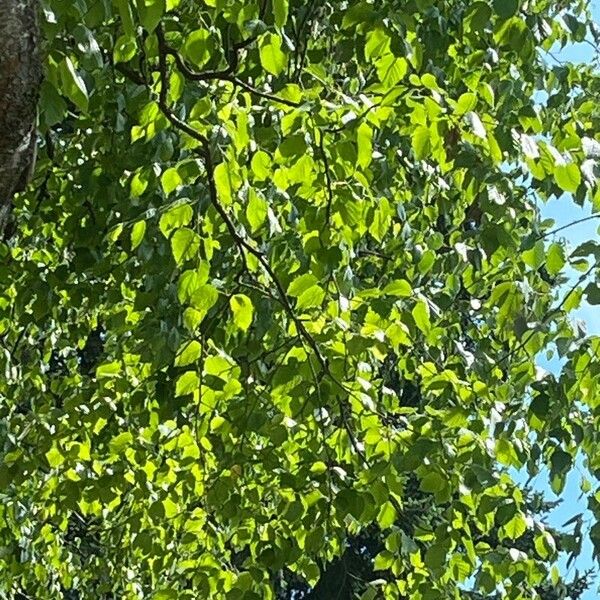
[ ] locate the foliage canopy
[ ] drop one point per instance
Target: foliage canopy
(280, 280)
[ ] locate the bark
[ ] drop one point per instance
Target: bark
(20, 79)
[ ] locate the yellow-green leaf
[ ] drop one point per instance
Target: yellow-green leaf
(170, 180)
(184, 244)
(243, 311)
(187, 383)
(197, 47)
(364, 141)
(256, 211)
(272, 58)
(420, 314)
(280, 12)
(421, 142)
(137, 234)
(555, 259)
(516, 527)
(188, 354)
(223, 183)
(174, 218)
(567, 177)
(261, 165)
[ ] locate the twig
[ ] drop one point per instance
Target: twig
(164, 90)
(577, 222)
(520, 346)
(244, 246)
(223, 75)
(327, 181)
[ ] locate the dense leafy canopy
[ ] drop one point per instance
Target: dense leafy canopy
(276, 294)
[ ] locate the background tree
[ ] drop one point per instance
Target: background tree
(272, 308)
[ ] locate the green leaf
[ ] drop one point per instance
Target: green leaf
(567, 177)
(261, 165)
(349, 502)
(197, 48)
(420, 314)
(506, 8)
(477, 16)
(73, 86)
(256, 211)
(535, 257)
(224, 183)
(387, 515)
(592, 294)
(378, 43)
(184, 245)
(124, 9)
(318, 468)
(188, 354)
(545, 545)
(139, 183)
(204, 297)
(165, 594)
(561, 461)
(516, 527)
(383, 561)
(301, 283)
(466, 103)
(280, 12)
(433, 482)
(137, 234)
(124, 49)
(399, 287)
(364, 141)
(175, 218)
(187, 383)
(381, 220)
(170, 180)
(54, 457)
(421, 142)
(555, 259)
(121, 442)
(192, 318)
(311, 297)
(190, 281)
(272, 58)
(505, 453)
(243, 311)
(111, 369)
(435, 557)
(151, 12)
(391, 70)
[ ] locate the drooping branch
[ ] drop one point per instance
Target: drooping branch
(243, 245)
(20, 78)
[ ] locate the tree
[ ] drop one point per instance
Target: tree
(281, 279)
(20, 77)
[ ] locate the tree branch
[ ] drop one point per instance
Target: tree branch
(223, 75)
(240, 241)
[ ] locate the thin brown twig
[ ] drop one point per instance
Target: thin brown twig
(572, 224)
(244, 247)
(224, 75)
(242, 243)
(164, 91)
(327, 181)
(561, 305)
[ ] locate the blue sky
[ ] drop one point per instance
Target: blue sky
(564, 211)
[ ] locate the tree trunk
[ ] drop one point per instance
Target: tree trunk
(20, 78)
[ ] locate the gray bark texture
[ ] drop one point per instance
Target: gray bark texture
(20, 79)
